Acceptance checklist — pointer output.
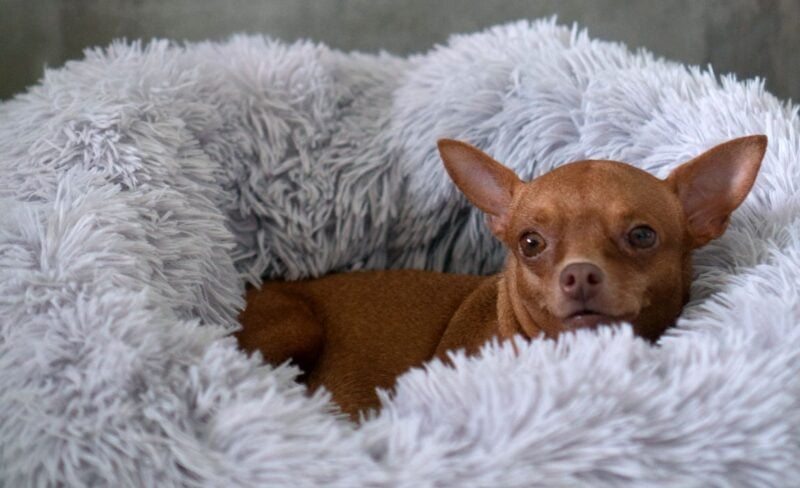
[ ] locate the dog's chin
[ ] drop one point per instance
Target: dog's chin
(589, 319)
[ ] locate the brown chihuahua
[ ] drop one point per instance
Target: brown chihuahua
(590, 243)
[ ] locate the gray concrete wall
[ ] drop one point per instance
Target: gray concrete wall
(746, 37)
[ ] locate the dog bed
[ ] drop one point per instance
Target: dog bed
(142, 187)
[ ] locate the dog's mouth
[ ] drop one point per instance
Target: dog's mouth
(588, 318)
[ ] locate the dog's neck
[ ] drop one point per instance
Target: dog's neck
(512, 315)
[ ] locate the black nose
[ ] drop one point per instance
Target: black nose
(581, 281)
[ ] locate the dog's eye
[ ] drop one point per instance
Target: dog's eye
(531, 244)
(642, 237)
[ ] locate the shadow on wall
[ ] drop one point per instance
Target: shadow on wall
(746, 37)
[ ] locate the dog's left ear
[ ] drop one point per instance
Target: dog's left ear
(712, 185)
(486, 183)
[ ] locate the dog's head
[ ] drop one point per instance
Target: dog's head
(596, 242)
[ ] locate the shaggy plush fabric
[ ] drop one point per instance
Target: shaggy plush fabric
(141, 187)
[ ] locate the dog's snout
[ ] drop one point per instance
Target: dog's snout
(581, 281)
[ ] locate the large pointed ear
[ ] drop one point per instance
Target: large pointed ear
(712, 185)
(486, 183)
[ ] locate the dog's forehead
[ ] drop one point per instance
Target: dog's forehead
(610, 188)
(608, 179)
(589, 173)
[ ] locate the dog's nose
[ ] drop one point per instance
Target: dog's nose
(581, 281)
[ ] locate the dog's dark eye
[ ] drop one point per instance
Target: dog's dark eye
(642, 237)
(531, 244)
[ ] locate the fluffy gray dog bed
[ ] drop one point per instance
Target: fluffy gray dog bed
(141, 187)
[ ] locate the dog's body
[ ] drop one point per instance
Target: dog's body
(357, 331)
(590, 243)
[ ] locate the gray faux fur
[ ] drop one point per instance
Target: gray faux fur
(141, 187)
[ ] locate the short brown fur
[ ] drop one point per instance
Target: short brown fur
(355, 332)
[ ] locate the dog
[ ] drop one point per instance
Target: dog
(590, 243)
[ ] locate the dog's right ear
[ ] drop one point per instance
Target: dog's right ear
(489, 185)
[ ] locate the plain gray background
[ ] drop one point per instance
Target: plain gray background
(746, 37)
